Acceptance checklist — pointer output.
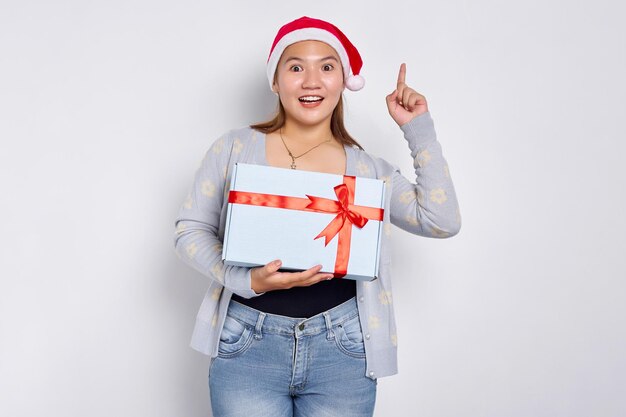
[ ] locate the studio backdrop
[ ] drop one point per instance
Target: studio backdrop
(107, 109)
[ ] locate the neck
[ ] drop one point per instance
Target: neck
(307, 134)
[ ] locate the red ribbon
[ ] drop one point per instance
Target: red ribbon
(347, 214)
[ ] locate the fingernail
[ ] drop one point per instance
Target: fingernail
(277, 263)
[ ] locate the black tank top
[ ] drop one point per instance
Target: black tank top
(303, 302)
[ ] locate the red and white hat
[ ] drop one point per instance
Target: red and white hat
(307, 28)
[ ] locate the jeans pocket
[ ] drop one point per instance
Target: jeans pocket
(234, 338)
(349, 338)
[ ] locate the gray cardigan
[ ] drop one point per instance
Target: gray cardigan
(427, 208)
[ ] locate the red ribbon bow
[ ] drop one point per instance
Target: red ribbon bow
(343, 206)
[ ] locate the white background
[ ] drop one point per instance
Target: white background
(107, 108)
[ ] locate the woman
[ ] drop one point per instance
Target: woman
(301, 343)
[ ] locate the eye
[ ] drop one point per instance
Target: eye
(296, 68)
(327, 67)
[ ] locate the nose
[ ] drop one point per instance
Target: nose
(311, 80)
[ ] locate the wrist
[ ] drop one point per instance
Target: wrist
(255, 283)
(420, 130)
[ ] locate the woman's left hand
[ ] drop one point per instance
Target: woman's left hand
(405, 103)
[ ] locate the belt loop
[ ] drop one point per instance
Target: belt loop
(329, 326)
(258, 334)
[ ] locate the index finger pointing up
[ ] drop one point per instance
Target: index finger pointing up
(402, 74)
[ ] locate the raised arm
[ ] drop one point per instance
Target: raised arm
(429, 206)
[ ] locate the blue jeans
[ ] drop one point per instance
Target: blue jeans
(276, 366)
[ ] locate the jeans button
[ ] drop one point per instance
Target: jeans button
(367, 336)
(301, 327)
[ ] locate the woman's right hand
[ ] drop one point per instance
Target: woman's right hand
(267, 278)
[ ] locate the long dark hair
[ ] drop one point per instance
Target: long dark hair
(337, 127)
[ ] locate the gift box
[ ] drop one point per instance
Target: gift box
(304, 218)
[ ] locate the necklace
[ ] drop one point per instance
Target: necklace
(293, 158)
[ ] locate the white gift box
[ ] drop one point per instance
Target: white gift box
(304, 218)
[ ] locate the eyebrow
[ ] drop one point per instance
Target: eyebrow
(295, 58)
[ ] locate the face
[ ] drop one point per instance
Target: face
(309, 81)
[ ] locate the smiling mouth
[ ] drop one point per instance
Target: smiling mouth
(310, 99)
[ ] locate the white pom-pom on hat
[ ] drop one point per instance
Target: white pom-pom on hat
(306, 28)
(355, 82)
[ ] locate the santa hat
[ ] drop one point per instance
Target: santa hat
(306, 28)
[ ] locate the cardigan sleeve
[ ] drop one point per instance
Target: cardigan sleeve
(196, 237)
(429, 206)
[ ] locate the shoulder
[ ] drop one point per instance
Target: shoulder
(238, 133)
(243, 133)
(233, 139)
(370, 165)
